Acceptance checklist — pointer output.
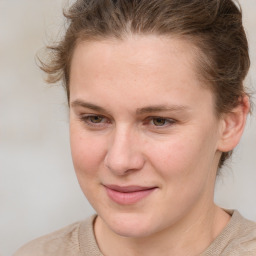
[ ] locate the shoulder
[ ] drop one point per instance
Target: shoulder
(243, 236)
(237, 239)
(63, 242)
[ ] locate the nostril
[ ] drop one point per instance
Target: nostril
(123, 154)
(122, 164)
(116, 164)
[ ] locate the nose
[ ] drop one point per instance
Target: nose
(124, 154)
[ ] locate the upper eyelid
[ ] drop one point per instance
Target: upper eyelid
(85, 114)
(161, 117)
(92, 115)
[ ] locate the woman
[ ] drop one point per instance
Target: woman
(157, 104)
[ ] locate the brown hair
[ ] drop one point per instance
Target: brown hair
(213, 26)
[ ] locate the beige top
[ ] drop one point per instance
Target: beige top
(237, 239)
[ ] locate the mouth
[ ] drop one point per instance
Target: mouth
(127, 195)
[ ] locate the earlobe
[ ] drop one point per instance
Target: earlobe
(233, 124)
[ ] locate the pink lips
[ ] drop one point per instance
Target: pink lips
(128, 194)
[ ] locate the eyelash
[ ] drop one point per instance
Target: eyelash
(167, 121)
(148, 121)
(86, 119)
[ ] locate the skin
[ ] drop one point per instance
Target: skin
(139, 116)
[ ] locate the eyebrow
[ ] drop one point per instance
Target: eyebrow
(80, 103)
(139, 111)
(161, 108)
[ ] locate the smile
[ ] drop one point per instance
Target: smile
(128, 194)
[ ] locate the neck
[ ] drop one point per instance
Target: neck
(191, 236)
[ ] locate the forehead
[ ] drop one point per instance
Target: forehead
(136, 53)
(135, 67)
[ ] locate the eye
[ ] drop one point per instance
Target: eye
(159, 121)
(97, 121)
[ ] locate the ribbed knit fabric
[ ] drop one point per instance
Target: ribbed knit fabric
(237, 239)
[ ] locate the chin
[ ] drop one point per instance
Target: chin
(130, 225)
(132, 232)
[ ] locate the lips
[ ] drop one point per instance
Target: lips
(128, 194)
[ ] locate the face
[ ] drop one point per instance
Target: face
(144, 136)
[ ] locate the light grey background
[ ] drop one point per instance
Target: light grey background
(38, 188)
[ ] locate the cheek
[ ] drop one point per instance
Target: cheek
(87, 152)
(182, 156)
(171, 154)
(184, 167)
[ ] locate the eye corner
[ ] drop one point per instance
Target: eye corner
(94, 121)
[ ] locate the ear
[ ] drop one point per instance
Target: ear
(233, 124)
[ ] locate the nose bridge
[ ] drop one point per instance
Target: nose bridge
(124, 153)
